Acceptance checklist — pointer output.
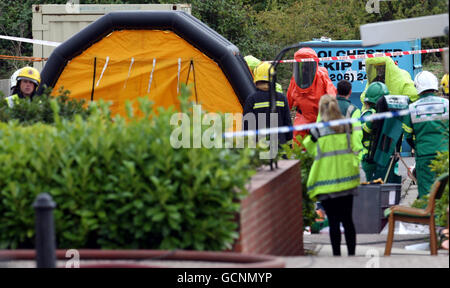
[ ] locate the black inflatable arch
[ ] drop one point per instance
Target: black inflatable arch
(199, 35)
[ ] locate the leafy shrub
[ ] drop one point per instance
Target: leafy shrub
(119, 184)
(440, 166)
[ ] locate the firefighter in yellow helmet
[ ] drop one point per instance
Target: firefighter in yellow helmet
(252, 63)
(444, 85)
(257, 106)
(28, 80)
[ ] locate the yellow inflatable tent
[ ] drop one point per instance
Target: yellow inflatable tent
(127, 55)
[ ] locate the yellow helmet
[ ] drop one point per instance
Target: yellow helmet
(444, 83)
(31, 74)
(262, 72)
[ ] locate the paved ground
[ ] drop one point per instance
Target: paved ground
(369, 253)
(370, 247)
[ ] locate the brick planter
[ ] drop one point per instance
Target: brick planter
(271, 220)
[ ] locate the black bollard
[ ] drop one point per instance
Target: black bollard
(45, 234)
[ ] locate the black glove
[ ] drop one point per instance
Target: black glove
(410, 141)
(314, 134)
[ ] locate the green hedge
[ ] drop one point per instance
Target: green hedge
(119, 184)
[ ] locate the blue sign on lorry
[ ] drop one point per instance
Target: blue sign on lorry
(354, 70)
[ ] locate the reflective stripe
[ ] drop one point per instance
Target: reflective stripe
(357, 128)
(407, 128)
(349, 150)
(11, 100)
(331, 153)
(261, 105)
(366, 128)
(334, 181)
(350, 110)
(267, 104)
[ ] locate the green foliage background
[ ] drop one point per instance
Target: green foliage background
(258, 27)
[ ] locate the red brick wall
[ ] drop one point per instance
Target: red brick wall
(271, 220)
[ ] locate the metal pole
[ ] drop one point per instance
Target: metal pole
(45, 234)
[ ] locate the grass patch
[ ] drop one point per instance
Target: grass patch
(436, 68)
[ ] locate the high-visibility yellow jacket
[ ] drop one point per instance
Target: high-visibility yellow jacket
(12, 100)
(336, 162)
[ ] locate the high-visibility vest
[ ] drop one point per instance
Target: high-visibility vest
(428, 123)
(12, 100)
(336, 162)
(367, 131)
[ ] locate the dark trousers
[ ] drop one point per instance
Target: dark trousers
(339, 210)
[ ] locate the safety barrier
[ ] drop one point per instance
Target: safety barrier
(309, 126)
(365, 56)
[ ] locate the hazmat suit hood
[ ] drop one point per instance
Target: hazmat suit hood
(308, 84)
(397, 80)
(304, 73)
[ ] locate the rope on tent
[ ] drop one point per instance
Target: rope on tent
(178, 81)
(151, 75)
(195, 82)
(103, 71)
(191, 65)
(129, 72)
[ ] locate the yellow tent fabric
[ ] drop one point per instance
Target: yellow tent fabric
(135, 63)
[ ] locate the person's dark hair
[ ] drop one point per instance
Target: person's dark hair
(344, 87)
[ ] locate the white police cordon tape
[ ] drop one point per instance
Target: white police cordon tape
(309, 126)
(32, 41)
(364, 56)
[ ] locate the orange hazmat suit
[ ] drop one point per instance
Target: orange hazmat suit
(308, 83)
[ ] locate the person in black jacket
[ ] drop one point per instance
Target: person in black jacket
(259, 105)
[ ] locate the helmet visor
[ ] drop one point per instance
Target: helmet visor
(304, 73)
(376, 73)
(29, 79)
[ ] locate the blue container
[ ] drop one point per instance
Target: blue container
(354, 70)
